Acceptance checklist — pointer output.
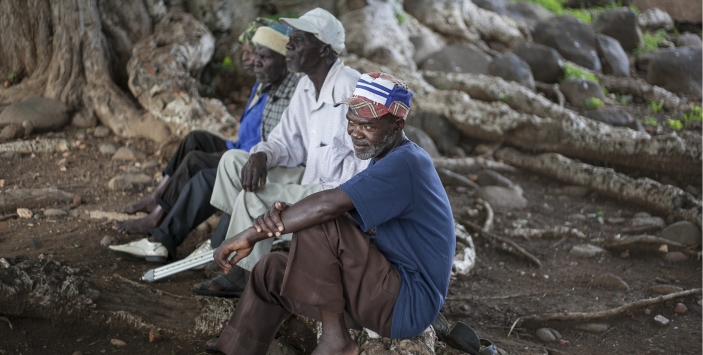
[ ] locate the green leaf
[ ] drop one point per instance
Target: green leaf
(227, 62)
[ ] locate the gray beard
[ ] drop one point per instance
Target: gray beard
(375, 149)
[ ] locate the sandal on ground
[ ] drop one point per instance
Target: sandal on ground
(441, 326)
(204, 290)
(463, 338)
(210, 346)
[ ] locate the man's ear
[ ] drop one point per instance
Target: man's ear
(325, 50)
(399, 124)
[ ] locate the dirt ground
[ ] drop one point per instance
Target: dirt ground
(500, 289)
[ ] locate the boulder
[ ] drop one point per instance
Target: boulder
(422, 139)
(578, 91)
(688, 39)
(12, 132)
(488, 177)
(527, 12)
(84, 120)
(654, 19)
(612, 56)
(573, 39)
(621, 24)
(459, 58)
(546, 63)
(642, 61)
(425, 47)
(43, 113)
(677, 70)
(683, 232)
(614, 117)
(512, 68)
(443, 133)
(497, 6)
(679, 10)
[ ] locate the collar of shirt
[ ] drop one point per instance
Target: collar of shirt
(327, 90)
(286, 88)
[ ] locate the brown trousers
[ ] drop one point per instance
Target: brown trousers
(331, 266)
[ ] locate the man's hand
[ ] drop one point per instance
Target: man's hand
(242, 244)
(270, 222)
(254, 172)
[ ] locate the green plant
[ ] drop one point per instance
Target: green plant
(572, 72)
(622, 100)
(675, 124)
(655, 106)
(650, 42)
(227, 62)
(401, 16)
(289, 14)
(693, 116)
(592, 103)
(12, 76)
(650, 121)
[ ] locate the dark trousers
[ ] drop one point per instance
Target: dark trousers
(197, 151)
(332, 267)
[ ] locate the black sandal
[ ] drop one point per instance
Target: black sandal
(463, 338)
(204, 290)
(210, 346)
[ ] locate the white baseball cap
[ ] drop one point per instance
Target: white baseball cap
(322, 24)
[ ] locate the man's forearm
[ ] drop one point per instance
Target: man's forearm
(315, 209)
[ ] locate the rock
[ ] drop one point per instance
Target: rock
(25, 213)
(680, 308)
(12, 132)
(675, 257)
(547, 335)
(613, 58)
(612, 116)
(128, 153)
(9, 155)
(4, 264)
(615, 220)
(528, 12)
(43, 113)
(664, 289)
(422, 139)
(688, 39)
(641, 215)
(573, 39)
(610, 281)
(497, 6)
(510, 67)
(459, 58)
(77, 353)
(155, 336)
(101, 131)
(683, 232)
(644, 224)
(108, 148)
(151, 164)
(488, 177)
(577, 217)
(661, 320)
(579, 4)
(621, 24)
(84, 120)
(424, 48)
(80, 135)
(592, 327)
(28, 127)
(503, 197)
(107, 241)
(654, 19)
(546, 63)
(77, 201)
(677, 70)
(443, 133)
(117, 342)
(585, 250)
(579, 91)
(55, 212)
(139, 180)
(119, 183)
(574, 191)
(679, 10)
(642, 62)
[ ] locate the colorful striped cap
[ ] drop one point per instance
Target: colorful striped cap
(377, 94)
(248, 34)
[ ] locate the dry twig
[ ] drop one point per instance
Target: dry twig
(488, 225)
(8, 216)
(5, 319)
(554, 232)
(516, 249)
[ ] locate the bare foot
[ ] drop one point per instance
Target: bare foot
(326, 348)
(142, 225)
(147, 204)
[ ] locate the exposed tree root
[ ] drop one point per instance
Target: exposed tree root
(450, 178)
(663, 198)
(551, 90)
(488, 224)
(414, 79)
(505, 244)
(472, 165)
(641, 240)
(34, 146)
(642, 89)
(589, 316)
(11, 200)
(554, 232)
(465, 256)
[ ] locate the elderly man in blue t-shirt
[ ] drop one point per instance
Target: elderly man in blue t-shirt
(377, 249)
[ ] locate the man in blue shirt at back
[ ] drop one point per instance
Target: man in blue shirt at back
(377, 250)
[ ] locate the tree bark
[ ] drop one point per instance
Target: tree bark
(44, 145)
(649, 193)
(642, 89)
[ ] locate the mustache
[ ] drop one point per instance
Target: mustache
(360, 142)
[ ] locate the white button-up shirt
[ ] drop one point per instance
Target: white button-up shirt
(314, 132)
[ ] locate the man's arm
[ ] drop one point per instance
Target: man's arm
(310, 211)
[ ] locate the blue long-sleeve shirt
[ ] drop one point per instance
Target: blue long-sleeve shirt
(250, 125)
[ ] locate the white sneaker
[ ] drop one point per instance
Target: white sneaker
(143, 248)
(202, 248)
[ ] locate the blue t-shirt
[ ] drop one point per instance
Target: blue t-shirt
(250, 125)
(402, 197)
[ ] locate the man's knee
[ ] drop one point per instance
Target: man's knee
(270, 270)
(232, 162)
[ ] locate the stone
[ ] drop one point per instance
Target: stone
(528, 12)
(642, 62)
(641, 215)
(107, 241)
(547, 335)
(688, 39)
(683, 232)
(422, 139)
(155, 336)
(612, 116)
(664, 289)
(679, 10)
(500, 197)
(644, 224)
(621, 24)
(9, 155)
(579, 91)
(661, 320)
(488, 177)
(592, 327)
(151, 164)
(139, 180)
(615, 220)
(54, 212)
(654, 19)
(84, 120)
(497, 6)
(442, 132)
(77, 201)
(510, 67)
(574, 191)
(77, 353)
(12, 132)
(128, 153)
(101, 131)
(458, 58)
(680, 308)
(573, 39)
(4, 264)
(677, 70)
(577, 217)
(25, 213)
(425, 46)
(585, 250)
(612, 56)
(119, 183)
(117, 342)
(675, 257)
(108, 148)
(28, 127)
(43, 113)
(610, 281)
